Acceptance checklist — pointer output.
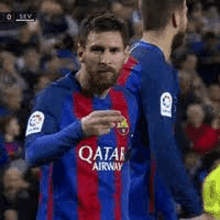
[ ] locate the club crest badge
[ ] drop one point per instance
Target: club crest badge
(123, 127)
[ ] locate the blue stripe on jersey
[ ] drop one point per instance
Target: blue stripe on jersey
(106, 177)
(65, 172)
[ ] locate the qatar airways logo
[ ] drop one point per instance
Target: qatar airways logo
(103, 159)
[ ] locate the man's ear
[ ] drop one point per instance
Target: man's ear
(175, 19)
(126, 53)
(81, 53)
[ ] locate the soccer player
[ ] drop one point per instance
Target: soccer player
(81, 128)
(149, 76)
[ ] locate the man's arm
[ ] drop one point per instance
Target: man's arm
(46, 143)
(42, 149)
(156, 105)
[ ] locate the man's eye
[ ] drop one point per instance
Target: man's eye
(114, 50)
(97, 49)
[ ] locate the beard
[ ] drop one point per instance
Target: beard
(102, 79)
(178, 41)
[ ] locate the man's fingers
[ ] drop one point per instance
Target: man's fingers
(104, 131)
(110, 120)
(106, 113)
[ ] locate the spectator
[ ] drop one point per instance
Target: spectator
(10, 214)
(12, 194)
(126, 10)
(186, 96)
(32, 176)
(208, 53)
(44, 81)
(193, 35)
(52, 19)
(9, 72)
(11, 102)
(212, 20)
(200, 91)
(214, 94)
(29, 37)
(11, 130)
(194, 167)
(31, 66)
(188, 65)
(204, 137)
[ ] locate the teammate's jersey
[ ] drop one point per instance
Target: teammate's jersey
(82, 178)
(211, 193)
(155, 84)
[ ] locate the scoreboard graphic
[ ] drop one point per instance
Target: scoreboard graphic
(18, 16)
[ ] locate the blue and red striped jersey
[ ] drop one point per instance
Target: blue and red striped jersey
(155, 84)
(82, 178)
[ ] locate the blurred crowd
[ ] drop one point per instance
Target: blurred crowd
(33, 54)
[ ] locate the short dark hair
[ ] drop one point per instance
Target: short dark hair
(102, 22)
(157, 13)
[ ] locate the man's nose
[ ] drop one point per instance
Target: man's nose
(106, 58)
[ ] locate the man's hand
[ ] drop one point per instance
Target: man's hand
(100, 122)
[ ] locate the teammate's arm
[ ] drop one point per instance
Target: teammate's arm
(163, 146)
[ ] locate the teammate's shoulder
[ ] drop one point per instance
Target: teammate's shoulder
(143, 51)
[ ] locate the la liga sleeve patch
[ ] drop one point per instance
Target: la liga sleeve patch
(35, 123)
(166, 102)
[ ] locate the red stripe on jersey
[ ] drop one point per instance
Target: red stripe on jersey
(40, 198)
(160, 216)
(50, 194)
(152, 191)
(126, 71)
(119, 103)
(89, 207)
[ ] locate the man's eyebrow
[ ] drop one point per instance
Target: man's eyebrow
(97, 47)
(115, 48)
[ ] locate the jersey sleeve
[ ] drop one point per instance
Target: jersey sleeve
(45, 142)
(163, 145)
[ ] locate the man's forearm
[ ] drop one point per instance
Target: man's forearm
(46, 148)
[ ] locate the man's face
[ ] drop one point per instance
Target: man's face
(13, 127)
(195, 115)
(13, 98)
(103, 57)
